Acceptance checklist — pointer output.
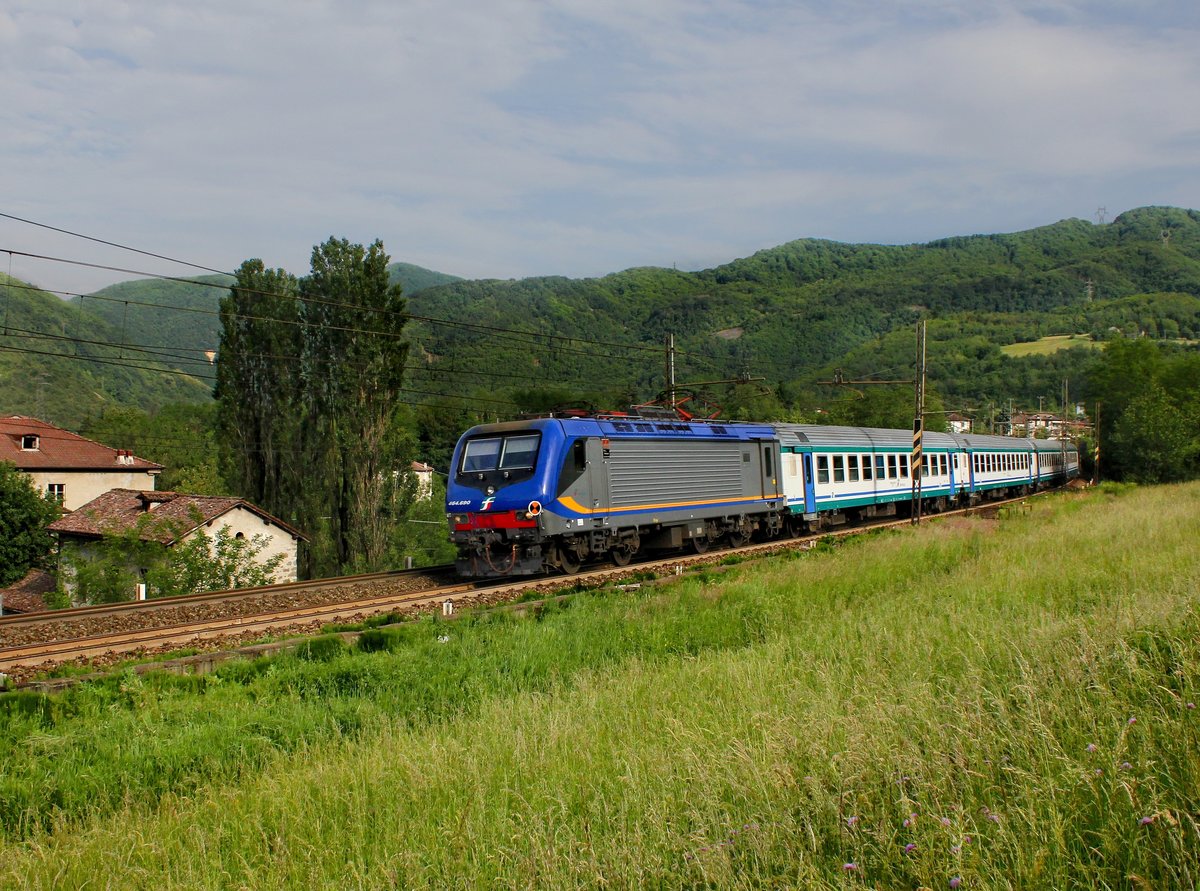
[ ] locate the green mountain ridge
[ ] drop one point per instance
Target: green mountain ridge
(791, 314)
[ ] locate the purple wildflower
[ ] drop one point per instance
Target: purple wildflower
(945, 821)
(1191, 705)
(1091, 747)
(1098, 772)
(1145, 821)
(1125, 765)
(955, 881)
(966, 840)
(849, 867)
(995, 818)
(1131, 721)
(910, 847)
(850, 821)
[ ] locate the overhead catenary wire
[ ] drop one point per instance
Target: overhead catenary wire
(556, 343)
(125, 363)
(508, 333)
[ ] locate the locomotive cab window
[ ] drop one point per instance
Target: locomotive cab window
(501, 453)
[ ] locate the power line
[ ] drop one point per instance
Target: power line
(123, 247)
(509, 333)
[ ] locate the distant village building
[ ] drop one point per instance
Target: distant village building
(68, 467)
(182, 516)
(1038, 423)
(424, 474)
(957, 423)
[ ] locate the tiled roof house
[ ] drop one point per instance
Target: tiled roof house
(178, 517)
(67, 466)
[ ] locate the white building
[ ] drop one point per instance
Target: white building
(177, 519)
(68, 467)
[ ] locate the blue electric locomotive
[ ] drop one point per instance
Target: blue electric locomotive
(549, 493)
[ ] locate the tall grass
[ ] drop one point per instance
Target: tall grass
(1006, 704)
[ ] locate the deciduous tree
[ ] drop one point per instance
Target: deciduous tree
(24, 515)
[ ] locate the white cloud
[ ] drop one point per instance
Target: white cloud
(524, 138)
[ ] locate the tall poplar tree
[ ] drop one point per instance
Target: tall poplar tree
(308, 383)
(353, 365)
(258, 390)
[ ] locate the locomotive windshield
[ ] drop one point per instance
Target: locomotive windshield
(517, 452)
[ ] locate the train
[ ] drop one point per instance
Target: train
(552, 493)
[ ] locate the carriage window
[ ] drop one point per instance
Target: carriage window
(866, 467)
(903, 467)
(944, 461)
(852, 467)
(880, 473)
(839, 472)
(822, 468)
(891, 467)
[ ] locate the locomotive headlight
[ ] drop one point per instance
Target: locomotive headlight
(461, 519)
(491, 490)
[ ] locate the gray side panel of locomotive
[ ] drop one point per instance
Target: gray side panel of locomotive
(648, 472)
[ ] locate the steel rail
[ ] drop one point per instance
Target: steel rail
(304, 617)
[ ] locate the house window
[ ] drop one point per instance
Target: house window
(54, 491)
(29, 442)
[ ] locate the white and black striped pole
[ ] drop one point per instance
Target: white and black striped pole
(917, 462)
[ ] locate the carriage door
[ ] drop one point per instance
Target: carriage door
(769, 464)
(598, 449)
(810, 494)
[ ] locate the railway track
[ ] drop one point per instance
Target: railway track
(39, 642)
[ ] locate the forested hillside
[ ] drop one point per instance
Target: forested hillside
(790, 315)
(63, 363)
(793, 313)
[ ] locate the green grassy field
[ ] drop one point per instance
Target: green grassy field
(1052, 344)
(977, 704)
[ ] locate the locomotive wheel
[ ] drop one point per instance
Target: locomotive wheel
(700, 544)
(568, 562)
(739, 538)
(620, 556)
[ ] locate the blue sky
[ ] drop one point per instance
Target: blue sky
(509, 138)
